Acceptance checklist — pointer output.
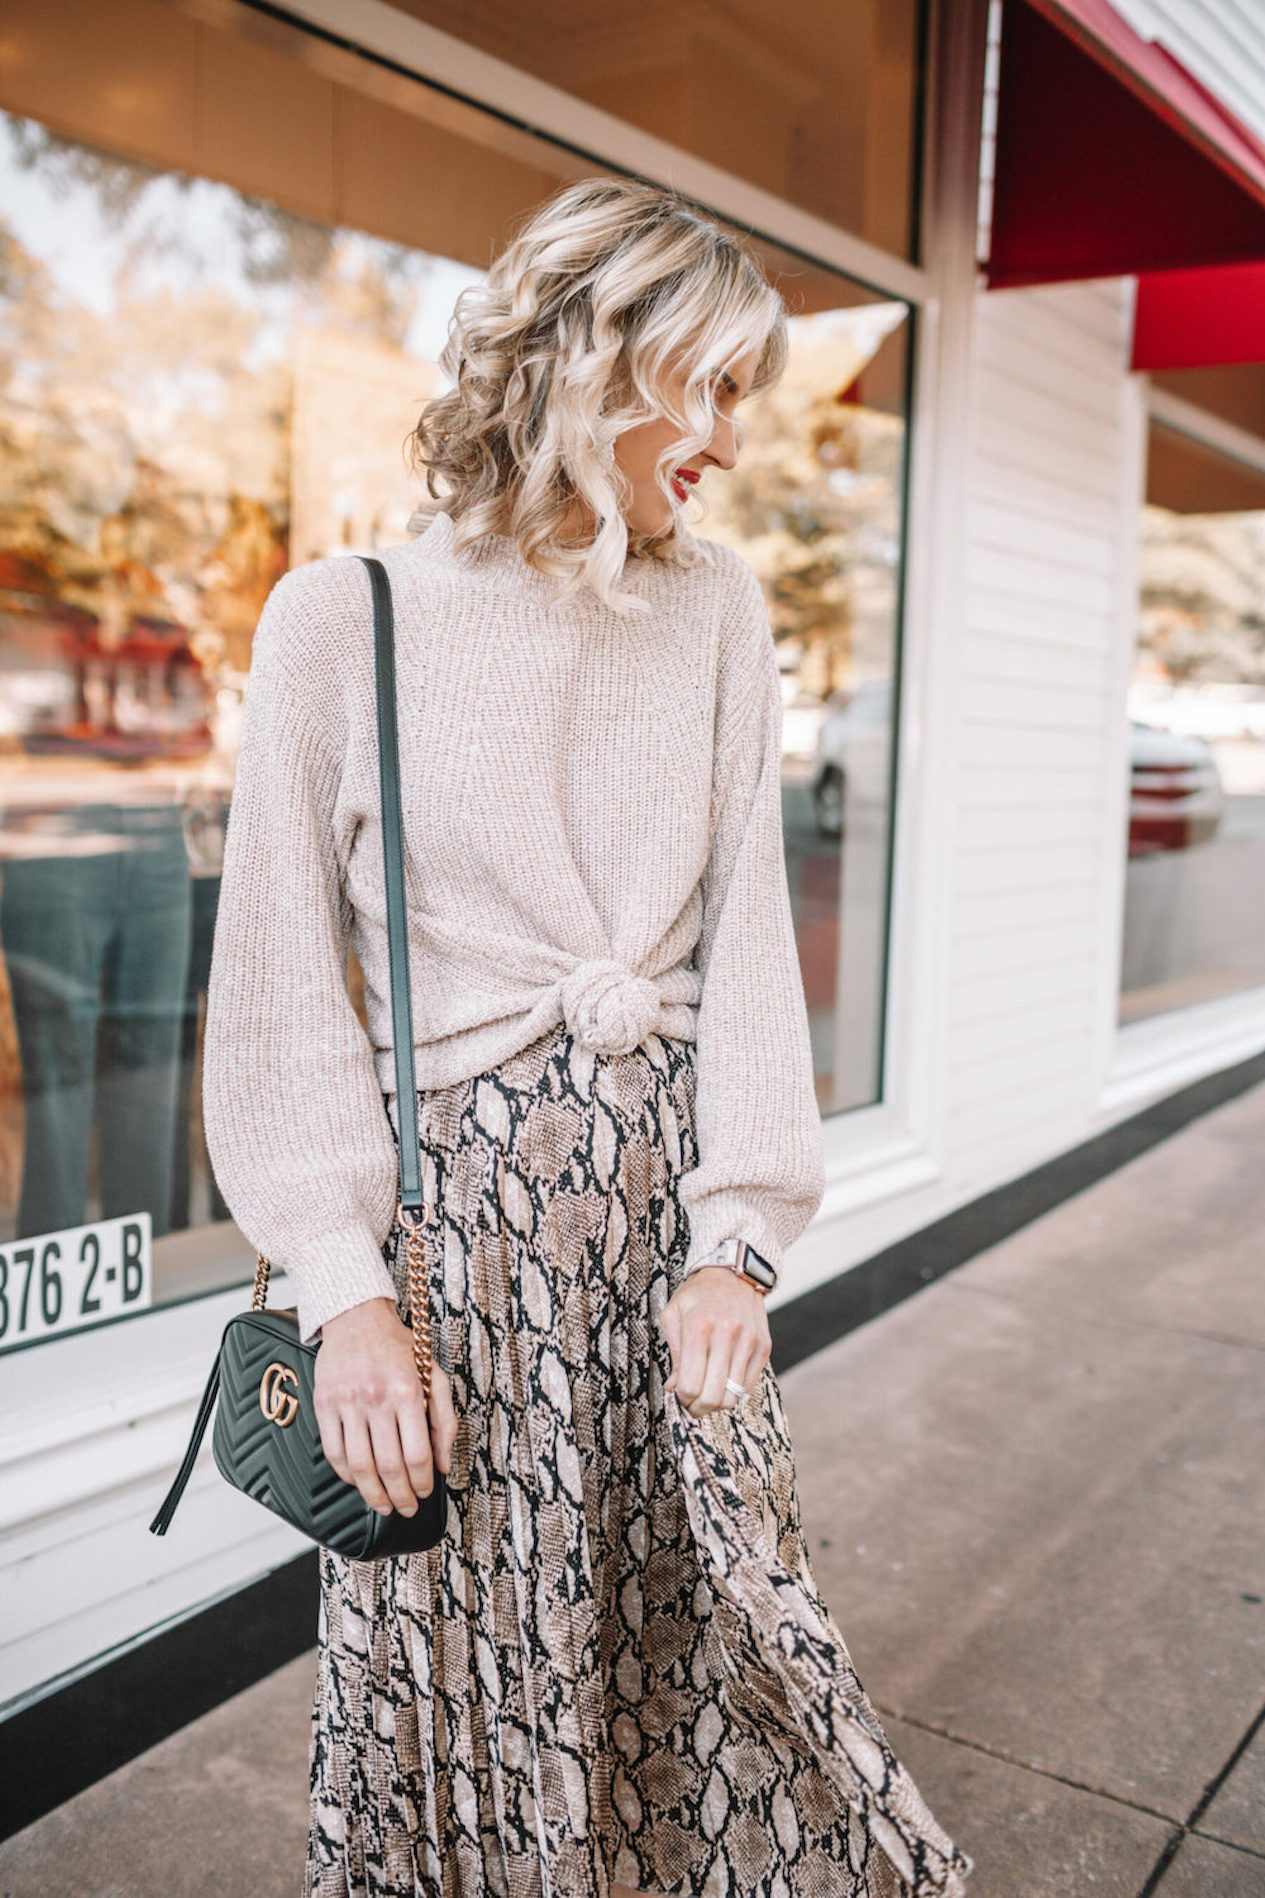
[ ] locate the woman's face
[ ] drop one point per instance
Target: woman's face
(638, 449)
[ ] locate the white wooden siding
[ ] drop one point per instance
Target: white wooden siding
(1221, 41)
(1039, 724)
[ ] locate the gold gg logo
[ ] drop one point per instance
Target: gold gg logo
(279, 1406)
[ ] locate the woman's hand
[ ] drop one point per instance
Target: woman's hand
(375, 1431)
(716, 1327)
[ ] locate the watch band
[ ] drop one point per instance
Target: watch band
(743, 1259)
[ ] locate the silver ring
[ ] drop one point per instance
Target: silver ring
(739, 1390)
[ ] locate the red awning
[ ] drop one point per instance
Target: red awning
(1112, 159)
(1191, 319)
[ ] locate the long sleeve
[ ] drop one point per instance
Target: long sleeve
(760, 1173)
(295, 1122)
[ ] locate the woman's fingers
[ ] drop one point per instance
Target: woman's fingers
(744, 1366)
(361, 1463)
(331, 1428)
(726, 1342)
(750, 1363)
(750, 1373)
(443, 1418)
(690, 1364)
(417, 1446)
(386, 1425)
(376, 1431)
(387, 1450)
(718, 1339)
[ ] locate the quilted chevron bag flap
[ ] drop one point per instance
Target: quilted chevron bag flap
(266, 1440)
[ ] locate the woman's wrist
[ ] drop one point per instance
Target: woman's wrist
(366, 1311)
(741, 1258)
(722, 1275)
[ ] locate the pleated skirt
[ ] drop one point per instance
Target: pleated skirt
(616, 1665)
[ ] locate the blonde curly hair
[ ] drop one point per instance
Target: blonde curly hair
(610, 295)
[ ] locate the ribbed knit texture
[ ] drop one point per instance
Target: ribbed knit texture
(592, 835)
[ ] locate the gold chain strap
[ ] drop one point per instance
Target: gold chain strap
(418, 1290)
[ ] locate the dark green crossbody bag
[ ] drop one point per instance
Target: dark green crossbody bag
(266, 1440)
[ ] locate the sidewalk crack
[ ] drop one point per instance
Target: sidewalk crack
(1205, 1800)
(1027, 1766)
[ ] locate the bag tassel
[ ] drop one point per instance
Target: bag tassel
(161, 1521)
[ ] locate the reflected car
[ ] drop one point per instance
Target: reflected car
(853, 753)
(1175, 795)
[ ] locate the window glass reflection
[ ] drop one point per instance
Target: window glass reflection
(1194, 921)
(815, 505)
(197, 391)
(815, 104)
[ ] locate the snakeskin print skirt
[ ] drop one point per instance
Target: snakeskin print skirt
(616, 1665)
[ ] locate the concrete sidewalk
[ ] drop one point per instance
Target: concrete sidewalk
(1035, 1498)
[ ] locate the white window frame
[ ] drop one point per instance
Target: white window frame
(1138, 1062)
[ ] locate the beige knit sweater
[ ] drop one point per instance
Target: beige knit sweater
(592, 836)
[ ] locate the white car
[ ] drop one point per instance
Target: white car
(1176, 796)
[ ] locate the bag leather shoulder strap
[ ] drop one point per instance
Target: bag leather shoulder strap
(411, 1196)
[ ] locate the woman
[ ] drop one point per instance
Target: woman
(615, 1674)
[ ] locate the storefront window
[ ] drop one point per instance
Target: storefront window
(197, 391)
(817, 105)
(815, 504)
(1194, 922)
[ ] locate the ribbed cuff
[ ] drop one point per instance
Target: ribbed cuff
(730, 1216)
(335, 1272)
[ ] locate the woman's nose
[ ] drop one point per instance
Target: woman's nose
(723, 446)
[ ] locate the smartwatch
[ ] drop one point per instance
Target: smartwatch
(745, 1261)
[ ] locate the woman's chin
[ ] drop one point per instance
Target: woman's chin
(651, 520)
